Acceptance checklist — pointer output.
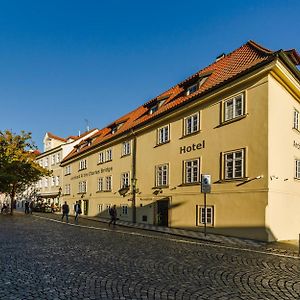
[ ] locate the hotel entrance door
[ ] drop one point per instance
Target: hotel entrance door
(163, 212)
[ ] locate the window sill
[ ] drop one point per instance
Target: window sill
(224, 123)
(81, 169)
(161, 144)
(125, 155)
(68, 174)
(103, 191)
(190, 134)
(240, 179)
(160, 187)
(189, 184)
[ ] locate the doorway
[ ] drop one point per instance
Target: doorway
(85, 207)
(163, 212)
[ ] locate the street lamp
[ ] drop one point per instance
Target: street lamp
(59, 194)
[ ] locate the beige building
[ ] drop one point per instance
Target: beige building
(55, 149)
(236, 120)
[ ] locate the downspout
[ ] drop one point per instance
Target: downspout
(133, 179)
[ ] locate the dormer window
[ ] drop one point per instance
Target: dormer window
(192, 89)
(114, 129)
(196, 86)
(153, 109)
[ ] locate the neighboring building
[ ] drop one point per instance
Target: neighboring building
(49, 189)
(237, 120)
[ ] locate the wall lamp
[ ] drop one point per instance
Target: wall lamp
(272, 177)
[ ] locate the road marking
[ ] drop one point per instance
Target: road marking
(172, 239)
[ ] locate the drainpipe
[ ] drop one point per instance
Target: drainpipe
(133, 180)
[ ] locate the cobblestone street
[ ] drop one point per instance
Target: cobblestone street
(47, 259)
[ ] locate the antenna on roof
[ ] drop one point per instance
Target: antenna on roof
(87, 124)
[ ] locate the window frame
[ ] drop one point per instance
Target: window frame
(68, 189)
(108, 183)
(82, 187)
(235, 115)
(192, 130)
(161, 133)
(162, 175)
(297, 169)
(100, 184)
(126, 148)
(203, 214)
(296, 119)
(82, 164)
(197, 181)
(234, 164)
(125, 176)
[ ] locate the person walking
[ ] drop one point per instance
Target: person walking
(26, 207)
(77, 210)
(113, 215)
(65, 211)
(31, 205)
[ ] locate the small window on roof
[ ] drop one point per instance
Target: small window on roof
(193, 88)
(114, 129)
(153, 109)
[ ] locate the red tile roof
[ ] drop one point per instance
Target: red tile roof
(227, 68)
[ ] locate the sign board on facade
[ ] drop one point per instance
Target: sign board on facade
(205, 183)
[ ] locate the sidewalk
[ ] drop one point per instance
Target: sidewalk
(284, 247)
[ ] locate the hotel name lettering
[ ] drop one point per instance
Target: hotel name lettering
(91, 173)
(193, 147)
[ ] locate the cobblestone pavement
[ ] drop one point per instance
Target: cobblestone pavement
(47, 259)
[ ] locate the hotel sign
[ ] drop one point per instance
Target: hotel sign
(193, 147)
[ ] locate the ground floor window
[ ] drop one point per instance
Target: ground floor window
(297, 168)
(124, 209)
(205, 215)
(100, 208)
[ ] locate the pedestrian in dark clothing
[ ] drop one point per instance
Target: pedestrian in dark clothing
(31, 204)
(26, 207)
(77, 210)
(113, 215)
(65, 211)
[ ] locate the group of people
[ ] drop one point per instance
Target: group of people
(65, 211)
(28, 207)
(77, 209)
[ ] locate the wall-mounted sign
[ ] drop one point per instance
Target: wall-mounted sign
(91, 173)
(193, 147)
(205, 183)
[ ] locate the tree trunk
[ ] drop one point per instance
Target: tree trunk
(12, 198)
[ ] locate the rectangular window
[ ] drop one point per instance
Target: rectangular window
(297, 168)
(162, 175)
(125, 180)
(108, 183)
(53, 159)
(192, 89)
(67, 189)
(100, 208)
(46, 162)
(296, 119)
(58, 157)
(100, 184)
(234, 164)
(53, 181)
(192, 170)
(206, 216)
(101, 157)
(153, 109)
(82, 164)
(124, 209)
(45, 182)
(108, 154)
(68, 170)
(191, 124)
(82, 187)
(126, 148)
(41, 163)
(234, 107)
(57, 183)
(163, 135)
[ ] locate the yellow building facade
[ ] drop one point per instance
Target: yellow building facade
(236, 120)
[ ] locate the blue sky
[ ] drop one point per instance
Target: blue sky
(63, 62)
